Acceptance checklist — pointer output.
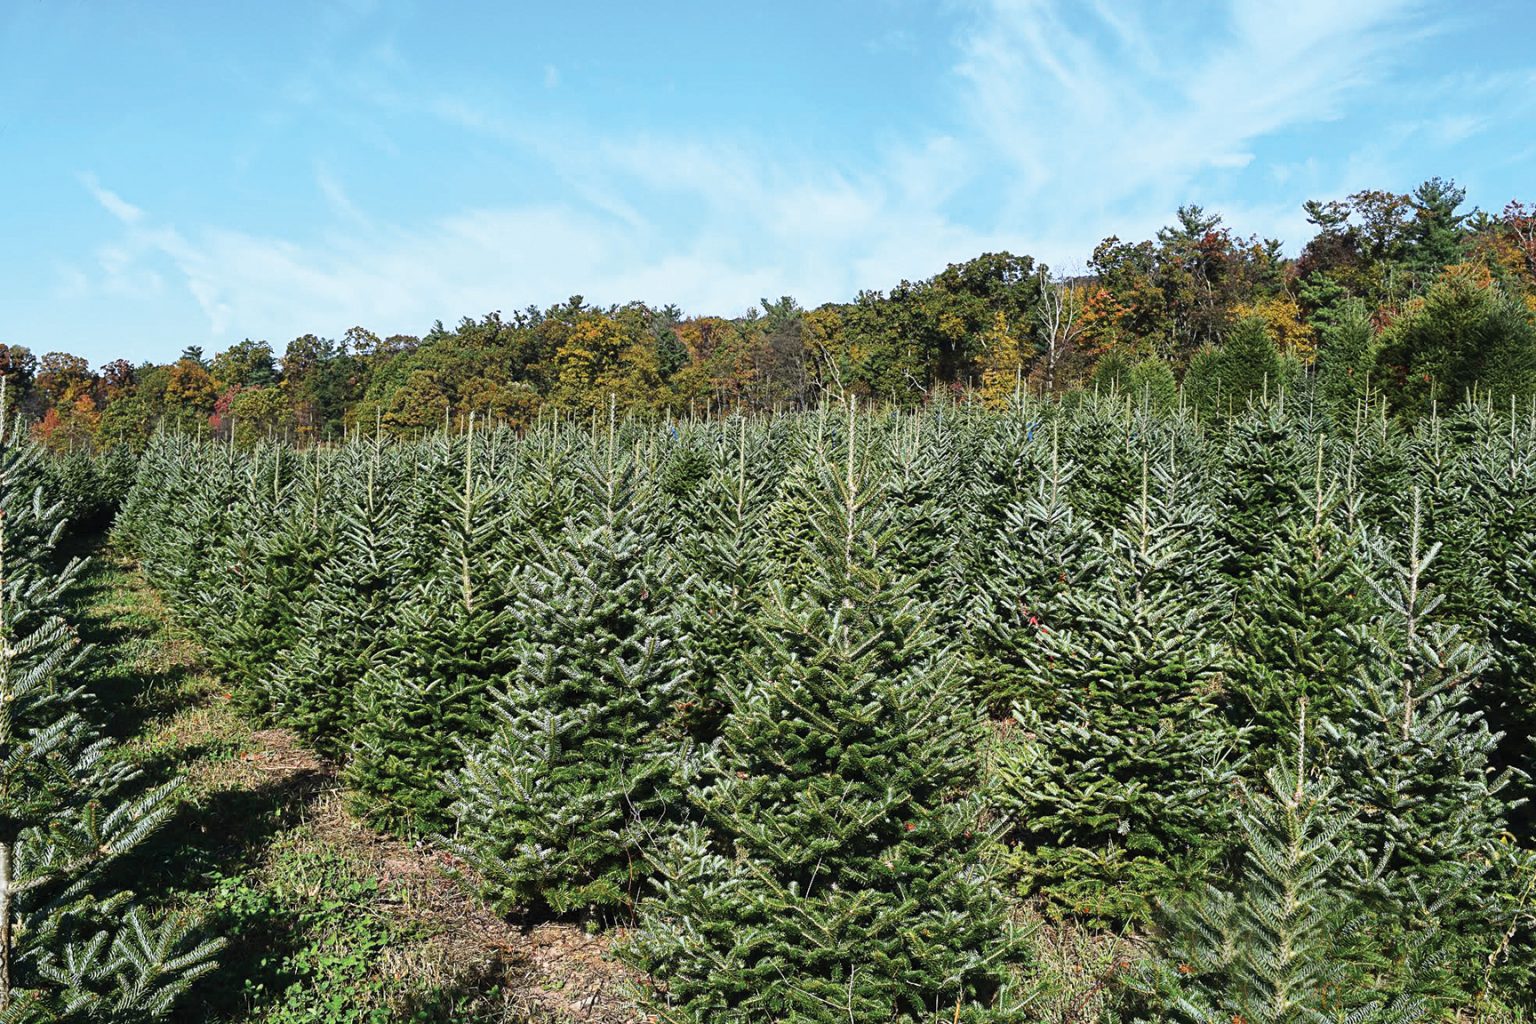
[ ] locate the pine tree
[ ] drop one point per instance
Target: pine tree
(837, 872)
(1108, 785)
(71, 948)
(554, 807)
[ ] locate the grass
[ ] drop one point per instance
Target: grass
(326, 920)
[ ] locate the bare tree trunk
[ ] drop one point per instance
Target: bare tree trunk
(1058, 312)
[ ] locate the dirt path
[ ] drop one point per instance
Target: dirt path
(327, 919)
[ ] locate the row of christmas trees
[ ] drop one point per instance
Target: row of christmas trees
(818, 699)
(75, 945)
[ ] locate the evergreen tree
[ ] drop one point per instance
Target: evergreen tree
(1414, 758)
(1152, 385)
(1275, 944)
(350, 611)
(71, 947)
(1436, 233)
(1465, 333)
(837, 872)
(1098, 440)
(922, 470)
(1293, 634)
(723, 545)
(555, 806)
(1345, 357)
(1039, 554)
(1260, 484)
(1108, 788)
(1246, 368)
(427, 687)
(274, 541)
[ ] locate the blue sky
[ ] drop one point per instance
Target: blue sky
(196, 173)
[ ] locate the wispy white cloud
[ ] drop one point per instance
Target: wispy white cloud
(111, 201)
(1134, 114)
(336, 197)
(1074, 120)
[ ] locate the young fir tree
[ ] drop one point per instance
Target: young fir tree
(1414, 759)
(922, 471)
(277, 540)
(1097, 438)
(1108, 789)
(554, 808)
(1038, 555)
(837, 872)
(235, 606)
(1294, 631)
(1491, 523)
(71, 947)
(177, 515)
(348, 613)
(427, 688)
(1275, 944)
(723, 549)
(1261, 484)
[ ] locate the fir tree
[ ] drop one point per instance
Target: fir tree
(1039, 554)
(554, 807)
(71, 947)
(1276, 943)
(1260, 484)
(249, 616)
(348, 613)
(427, 687)
(837, 871)
(1108, 785)
(1293, 634)
(723, 546)
(1489, 528)
(921, 469)
(1414, 757)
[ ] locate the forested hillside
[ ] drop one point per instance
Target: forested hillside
(1410, 296)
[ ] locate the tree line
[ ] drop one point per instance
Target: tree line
(1406, 296)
